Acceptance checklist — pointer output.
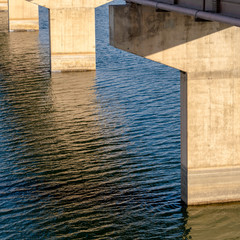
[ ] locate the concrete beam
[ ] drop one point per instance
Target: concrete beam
(53, 4)
(207, 53)
(23, 16)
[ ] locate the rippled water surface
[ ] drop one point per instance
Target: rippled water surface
(94, 155)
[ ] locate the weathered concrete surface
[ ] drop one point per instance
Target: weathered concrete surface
(207, 53)
(23, 16)
(211, 136)
(3, 5)
(72, 33)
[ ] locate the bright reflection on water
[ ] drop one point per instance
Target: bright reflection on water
(94, 155)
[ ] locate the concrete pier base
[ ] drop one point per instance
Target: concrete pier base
(3, 5)
(207, 53)
(23, 16)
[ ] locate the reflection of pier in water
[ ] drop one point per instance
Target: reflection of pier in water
(220, 221)
(74, 106)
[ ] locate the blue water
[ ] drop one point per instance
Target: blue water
(94, 155)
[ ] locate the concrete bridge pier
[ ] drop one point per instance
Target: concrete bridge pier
(207, 53)
(72, 33)
(23, 16)
(3, 5)
(72, 36)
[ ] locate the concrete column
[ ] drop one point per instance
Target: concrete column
(72, 32)
(3, 5)
(210, 137)
(207, 53)
(23, 16)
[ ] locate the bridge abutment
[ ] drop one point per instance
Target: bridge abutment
(207, 55)
(23, 16)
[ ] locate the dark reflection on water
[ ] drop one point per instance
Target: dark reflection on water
(94, 155)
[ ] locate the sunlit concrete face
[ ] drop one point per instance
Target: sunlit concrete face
(69, 3)
(72, 39)
(207, 53)
(3, 5)
(72, 33)
(23, 16)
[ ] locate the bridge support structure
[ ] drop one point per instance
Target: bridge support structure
(3, 5)
(72, 33)
(207, 54)
(22, 16)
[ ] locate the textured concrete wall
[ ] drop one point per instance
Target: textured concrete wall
(3, 5)
(72, 39)
(23, 16)
(207, 53)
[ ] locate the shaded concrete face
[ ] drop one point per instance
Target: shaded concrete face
(225, 7)
(207, 53)
(173, 39)
(23, 16)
